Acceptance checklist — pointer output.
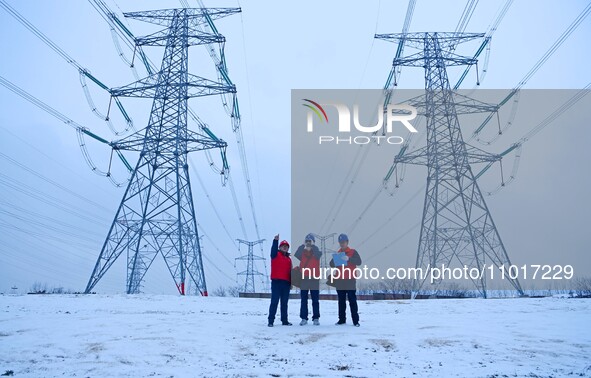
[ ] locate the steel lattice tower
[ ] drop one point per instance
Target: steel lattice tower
(157, 214)
(250, 271)
(457, 226)
(324, 263)
(323, 239)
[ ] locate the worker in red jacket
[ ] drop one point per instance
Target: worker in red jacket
(309, 256)
(346, 284)
(280, 280)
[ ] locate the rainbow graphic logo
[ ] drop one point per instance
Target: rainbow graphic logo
(317, 109)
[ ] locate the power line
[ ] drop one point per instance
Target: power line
(214, 208)
(393, 216)
(36, 216)
(40, 35)
(354, 170)
(81, 130)
(40, 104)
(466, 16)
(516, 147)
(25, 189)
(34, 263)
(52, 237)
(219, 252)
(50, 181)
(252, 123)
(530, 134)
(561, 39)
(394, 241)
(83, 71)
(236, 205)
(486, 43)
(371, 47)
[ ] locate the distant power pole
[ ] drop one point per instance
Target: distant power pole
(323, 238)
(250, 271)
(457, 226)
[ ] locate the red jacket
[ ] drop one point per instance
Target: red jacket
(309, 259)
(280, 264)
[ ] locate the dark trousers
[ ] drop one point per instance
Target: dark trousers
(279, 291)
(315, 294)
(342, 295)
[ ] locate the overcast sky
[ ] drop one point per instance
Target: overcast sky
(55, 212)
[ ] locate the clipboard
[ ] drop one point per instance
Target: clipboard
(339, 258)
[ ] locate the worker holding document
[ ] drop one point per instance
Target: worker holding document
(346, 260)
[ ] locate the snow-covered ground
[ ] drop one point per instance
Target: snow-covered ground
(171, 336)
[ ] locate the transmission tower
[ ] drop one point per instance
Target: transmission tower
(250, 271)
(323, 239)
(324, 263)
(156, 214)
(457, 226)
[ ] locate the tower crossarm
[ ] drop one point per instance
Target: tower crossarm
(447, 40)
(463, 104)
(245, 272)
(194, 37)
(420, 156)
(194, 141)
(476, 155)
(196, 87)
(418, 59)
(416, 157)
(195, 16)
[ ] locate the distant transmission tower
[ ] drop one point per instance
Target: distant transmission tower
(250, 271)
(156, 214)
(324, 263)
(323, 239)
(456, 225)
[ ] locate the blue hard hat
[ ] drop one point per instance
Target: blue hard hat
(343, 237)
(310, 237)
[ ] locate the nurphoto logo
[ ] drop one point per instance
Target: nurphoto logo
(393, 113)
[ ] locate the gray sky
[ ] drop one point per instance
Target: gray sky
(270, 50)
